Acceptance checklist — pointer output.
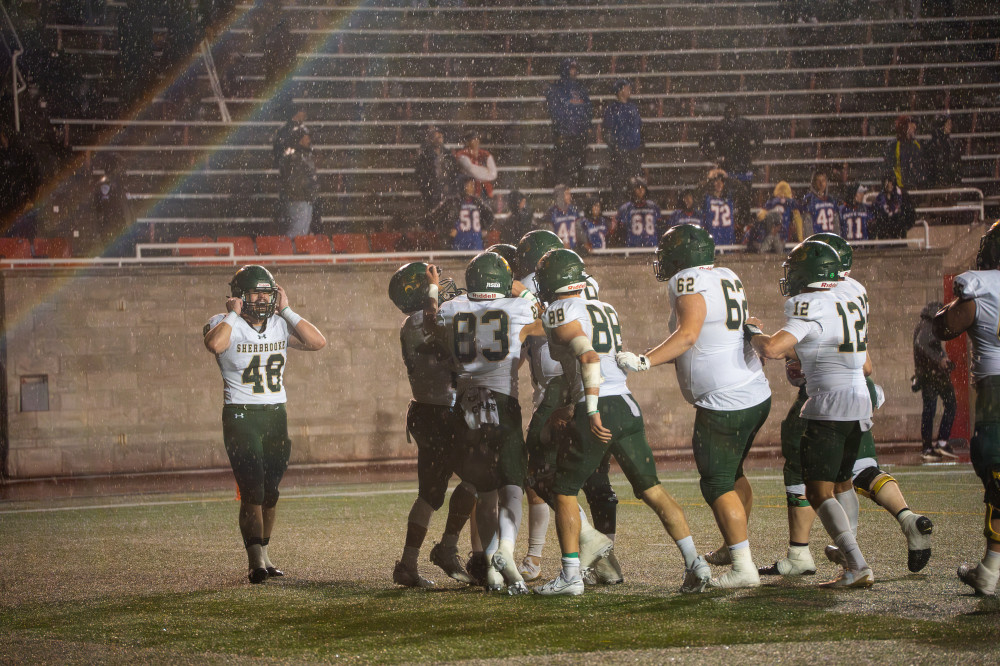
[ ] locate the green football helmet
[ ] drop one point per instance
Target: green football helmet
(810, 264)
(408, 287)
(842, 247)
(253, 278)
(488, 277)
(560, 271)
(988, 257)
(530, 249)
(683, 246)
(507, 251)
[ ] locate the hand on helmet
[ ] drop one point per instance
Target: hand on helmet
(234, 304)
(433, 274)
(632, 362)
(282, 298)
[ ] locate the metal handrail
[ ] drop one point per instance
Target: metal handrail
(975, 207)
(18, 84)
(213, 79)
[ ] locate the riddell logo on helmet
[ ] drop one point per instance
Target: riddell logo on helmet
(263, 285)
(827, 285)
(579, 286)
(484, 295)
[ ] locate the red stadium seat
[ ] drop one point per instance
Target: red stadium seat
(423, 240)
(196, 251)
(274, 245)
(52, 248)
(242, 245)
(385, 241)
(313, 244)
(15, 248)
(350, 243)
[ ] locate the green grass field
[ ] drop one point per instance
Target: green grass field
(161, 578)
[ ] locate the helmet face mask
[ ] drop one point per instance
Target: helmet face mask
(841, 246)
(682, 246)
(532, 246)
(810, 265)
(254, 279)
(559, 272)
(408, 287)
(988, 257)
(488, 277)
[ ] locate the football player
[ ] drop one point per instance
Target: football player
(827, 333)
(976, 309)
(868, 479)
(251, 346)
(640, 216)
(484, 330)
(584, 335)
(720, 375)
(431, 420)
(547, 431)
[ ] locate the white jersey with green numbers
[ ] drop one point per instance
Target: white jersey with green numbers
(853, 290)
(484, 338)
(600, 323)
(832, 334)
(253, 366)
(719, 372)
(984, 287)
(543, 367)
(428, 364)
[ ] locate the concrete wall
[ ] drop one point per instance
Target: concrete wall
(133, 389)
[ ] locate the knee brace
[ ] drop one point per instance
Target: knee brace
(796, 501)
(992, 499)
(870, 480)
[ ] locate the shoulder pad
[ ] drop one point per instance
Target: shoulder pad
(972, 284)
(806, 306)
(689, 281)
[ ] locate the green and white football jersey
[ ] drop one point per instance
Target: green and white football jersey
(253, 367)
(429, 364)
(832, 334)
(984, 287)
(720, 372)
(484, 338)
(600, 322)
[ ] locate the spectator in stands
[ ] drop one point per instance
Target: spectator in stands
(299, 184)
(622, 132)
(283, 138)
(435, 170)
(640, 217)
(109, 202)
(521, 218)
(570, 110)
(732, 144)
(564, 216)
(594, 226)
(478, 163)
(932, 377)
(820, 213)
(461, 219)
(903, 156)
(717, 211)
(686, 212)
(855, 214)
(778, 221)
(892, 214)
(943, 155)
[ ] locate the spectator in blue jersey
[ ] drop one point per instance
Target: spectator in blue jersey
(778, 222)
(819, 209)
(718, 209)
(904, 157)
(462, 219)
(855, 214)
(594, 225)
(571, 112)
(686, 212)
(892, 213)
(564, 216)
(640, 217)
(621, 129)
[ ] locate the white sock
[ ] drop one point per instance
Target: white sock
(487, 521)
(742, 560)
(849, 500)
(799, 552)
(611, 536)
(745, 544)
(902, 515)
(570, 567)
(688, 551)
(264, 557)
(254, 558)
(409, 558)
(538, 526)
(991, 561)
(449, 540)
(510, 512)
(834, 519)
(420, 513)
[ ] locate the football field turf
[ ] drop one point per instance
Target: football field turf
(161, 578)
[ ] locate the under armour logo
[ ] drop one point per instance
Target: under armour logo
(239, 416)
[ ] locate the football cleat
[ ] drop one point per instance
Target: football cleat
(517, 589)
(593, 546)
(789, 566)
(503, 561)
(848, 578)
(560, 585)
(257, 576)
(530, 568)
(476, 568)
(403, 575)
(719, 557)
(979, 578)
(918, 530)
(931, 455)
(607, 571)
(944, 448)
(274, 572)
(835, 555)
(447, 559)
(494, 581)
(697, 577)
(736, 579)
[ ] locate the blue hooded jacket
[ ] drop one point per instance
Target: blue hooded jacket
(568, 103)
